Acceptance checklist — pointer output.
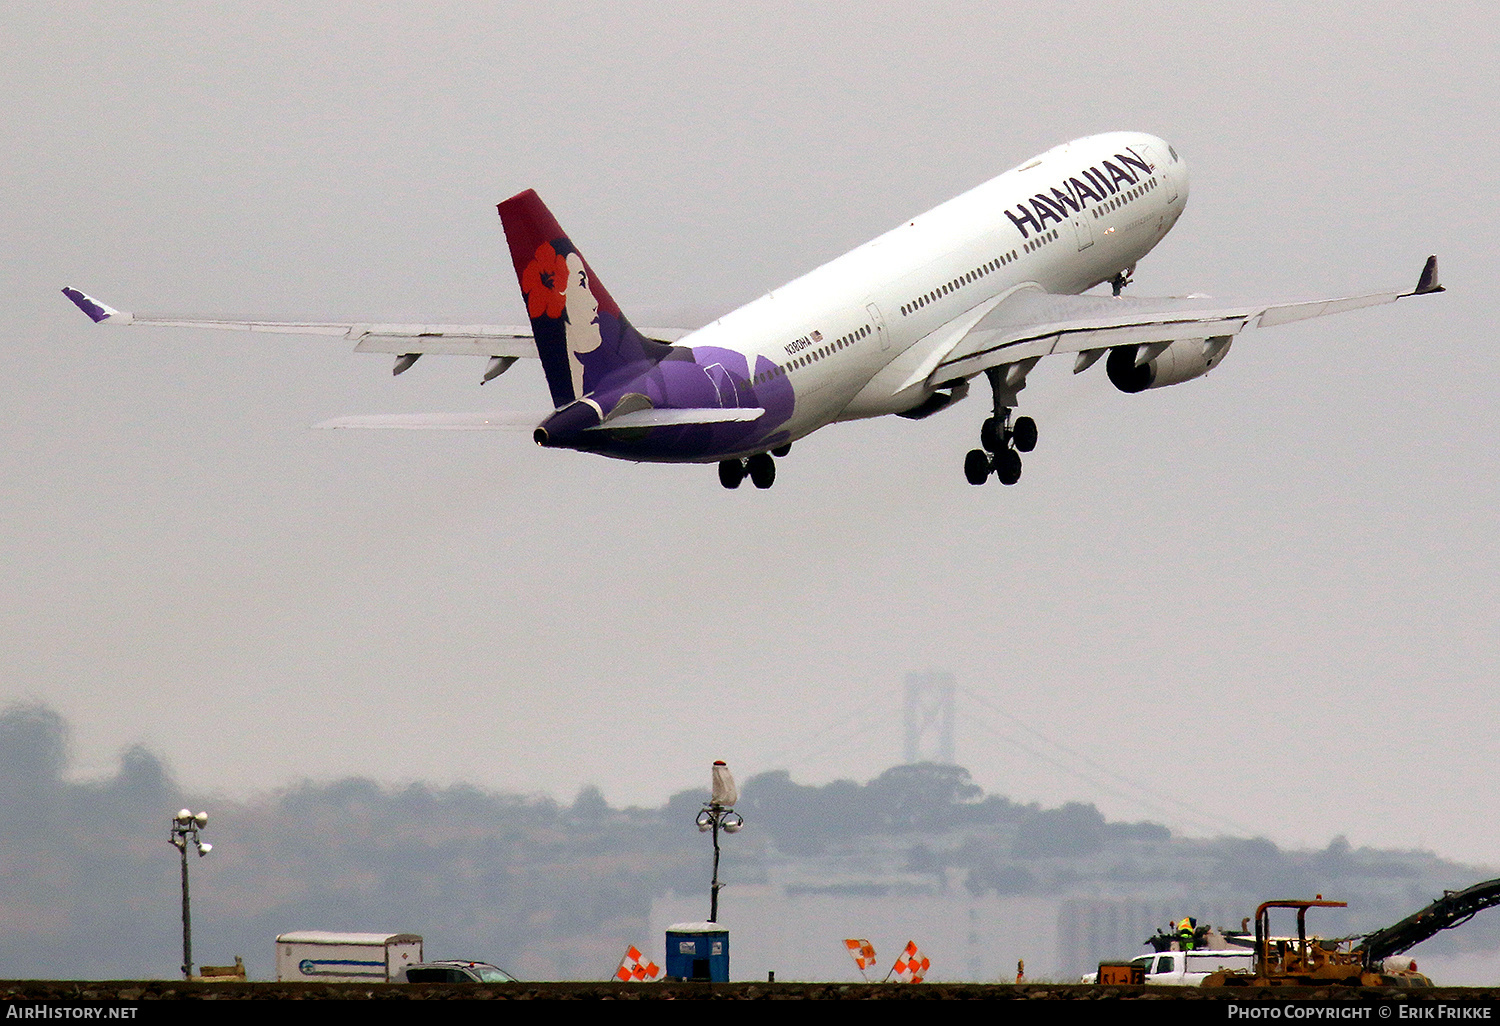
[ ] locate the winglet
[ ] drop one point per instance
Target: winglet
(1428, 282)
(96, 310)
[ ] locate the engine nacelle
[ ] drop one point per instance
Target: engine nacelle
(1177, 362)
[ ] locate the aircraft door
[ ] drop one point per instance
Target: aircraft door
(1084, 232)
(879, 323)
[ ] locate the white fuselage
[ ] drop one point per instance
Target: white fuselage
(852, 334)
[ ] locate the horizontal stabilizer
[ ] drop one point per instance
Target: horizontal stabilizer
(678, 418)
(506, 420)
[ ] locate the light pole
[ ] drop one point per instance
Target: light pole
(185, 827)
(718, 813)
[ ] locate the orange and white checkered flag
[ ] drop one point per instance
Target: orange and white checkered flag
(862, 951)
(634, 970)
(911, 965)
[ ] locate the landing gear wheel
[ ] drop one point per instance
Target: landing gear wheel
(782, 450)
(992, 434)
(1008, 466)
(1023, 433)
(762, 469)
(731, 473)
(977, 466)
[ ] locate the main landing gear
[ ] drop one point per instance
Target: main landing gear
(1001, 438)
(760, 469)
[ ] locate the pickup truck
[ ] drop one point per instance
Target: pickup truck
(1187, 968)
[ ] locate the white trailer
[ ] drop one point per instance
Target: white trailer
(318, 956)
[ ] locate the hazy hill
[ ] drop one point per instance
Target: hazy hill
(90, 888)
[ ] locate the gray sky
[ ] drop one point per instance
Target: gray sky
(1269, 594)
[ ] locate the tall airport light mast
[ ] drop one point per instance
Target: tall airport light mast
(718, 813)
(185, 828)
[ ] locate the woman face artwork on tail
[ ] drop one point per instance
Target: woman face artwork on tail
(580, 318)
(567, 316)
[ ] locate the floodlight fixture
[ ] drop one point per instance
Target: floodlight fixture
(185, 828)
(717, 813)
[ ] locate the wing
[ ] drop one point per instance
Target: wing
(400, 339)
(1029, 324)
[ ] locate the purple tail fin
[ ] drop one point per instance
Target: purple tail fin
(581, 335)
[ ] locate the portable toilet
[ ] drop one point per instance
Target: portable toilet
(698, 951)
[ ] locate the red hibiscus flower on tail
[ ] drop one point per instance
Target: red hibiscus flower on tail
(545, 281)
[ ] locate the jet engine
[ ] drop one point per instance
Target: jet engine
(1157, 364)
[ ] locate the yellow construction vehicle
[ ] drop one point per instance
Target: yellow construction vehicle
(1310, 962)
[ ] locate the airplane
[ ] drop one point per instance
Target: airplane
(989, 282)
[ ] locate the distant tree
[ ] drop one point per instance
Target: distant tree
(1140, 831)
(33, 756)
(1260, 867)
(1073, 830)
(925, 797)
(922, 796)
(33, 749)
(589, 806)
(801, 819)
